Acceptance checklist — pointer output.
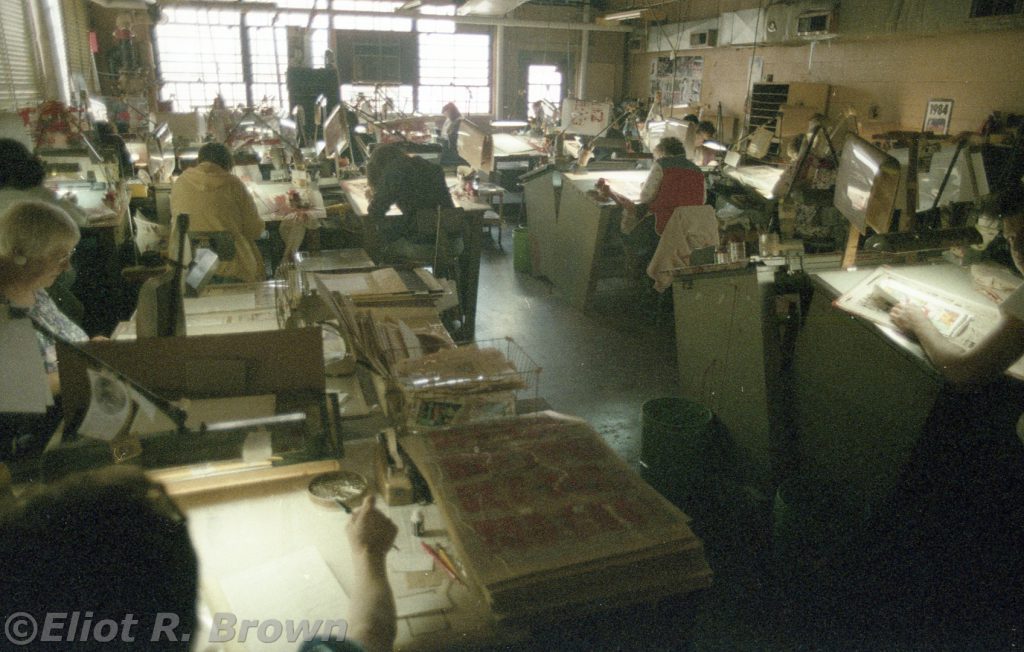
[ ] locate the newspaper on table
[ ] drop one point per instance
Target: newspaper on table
(964, 321)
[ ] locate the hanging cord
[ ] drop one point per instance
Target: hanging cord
(750, 68)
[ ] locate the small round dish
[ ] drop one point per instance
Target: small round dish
(344, 488)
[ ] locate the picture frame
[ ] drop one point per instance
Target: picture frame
(936, 117)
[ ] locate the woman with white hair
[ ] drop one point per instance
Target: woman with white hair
(36, 243)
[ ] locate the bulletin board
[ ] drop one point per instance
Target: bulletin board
(584, 117)
(679, 79)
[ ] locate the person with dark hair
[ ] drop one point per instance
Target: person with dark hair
(110, 143)
(111, 546)
(450, 134)
(217, 201)
(21, 179)
(703, 155)
(413, 184)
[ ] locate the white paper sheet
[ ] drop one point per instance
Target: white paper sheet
(295, 587)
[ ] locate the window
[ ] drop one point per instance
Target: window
(543, 83)
(201, 57)
(18, 85)
(455, 68)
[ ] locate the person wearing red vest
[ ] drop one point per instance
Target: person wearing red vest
(674, 181)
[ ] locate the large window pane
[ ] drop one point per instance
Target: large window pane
(200, 57)
(455, 68)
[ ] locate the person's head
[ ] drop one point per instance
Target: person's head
(36, 243)
(381, 160)
(19, 168)
(691, 118)
(107, 545)
(1008, 205)
(669, 146)
(451, 111)
(216, 153)
(705, 131)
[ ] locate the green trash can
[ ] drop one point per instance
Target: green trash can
(521, 250)
(677, 447)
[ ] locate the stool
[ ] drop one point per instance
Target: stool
(487, 192)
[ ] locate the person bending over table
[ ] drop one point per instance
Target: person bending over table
(110, 544)
(36, 243)
(411, 183)
(216, 200)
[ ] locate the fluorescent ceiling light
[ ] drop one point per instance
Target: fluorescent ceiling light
(624, 15)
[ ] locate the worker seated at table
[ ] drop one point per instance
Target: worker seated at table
(217, 201)
(111, 144)
(673, 181)
(450, 135)
(108, 550)
(413, 184)
(702, 155)
(36, 244)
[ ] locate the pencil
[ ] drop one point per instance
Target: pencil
(441, 562)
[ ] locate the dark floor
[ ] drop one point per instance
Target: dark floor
(602, 365)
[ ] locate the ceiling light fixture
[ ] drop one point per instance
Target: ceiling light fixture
(629, 14)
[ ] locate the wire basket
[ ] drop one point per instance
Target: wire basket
(467, 387)
(470, 374)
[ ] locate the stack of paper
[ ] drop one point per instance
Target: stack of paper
(549, 520)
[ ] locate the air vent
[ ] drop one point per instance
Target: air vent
(704, 39)
(814, 23)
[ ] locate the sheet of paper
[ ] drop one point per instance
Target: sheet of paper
(295, 587)
(23, 386)
(220, 303)
(349, 284)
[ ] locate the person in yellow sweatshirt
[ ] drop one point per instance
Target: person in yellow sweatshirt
(217, 200)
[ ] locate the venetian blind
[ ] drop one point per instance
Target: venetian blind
(76, 35)
(19, 85)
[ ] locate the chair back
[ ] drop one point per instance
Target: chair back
(442, 226)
